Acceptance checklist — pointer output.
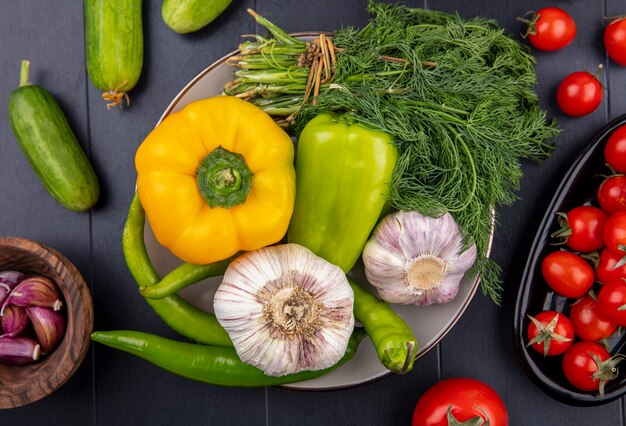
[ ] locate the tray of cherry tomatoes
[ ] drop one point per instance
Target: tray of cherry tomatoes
(571, 304)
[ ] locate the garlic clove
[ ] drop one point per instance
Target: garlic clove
(416, 259)
(35, 291)
(18, 350)
(286, 309)
(8, 281)
(14, 320)
(49, 326)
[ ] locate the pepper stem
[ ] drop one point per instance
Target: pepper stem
(399, 359)
(24, 73)
(224, 179)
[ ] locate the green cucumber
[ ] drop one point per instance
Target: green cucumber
(113, 46)
(50, 146)
(185, 16)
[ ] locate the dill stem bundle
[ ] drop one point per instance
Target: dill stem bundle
(456, 95)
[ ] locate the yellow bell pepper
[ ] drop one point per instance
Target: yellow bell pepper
(216, 178)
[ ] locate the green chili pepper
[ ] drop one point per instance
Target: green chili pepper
(343, 172)
(208, 364)
(135, 253)
(184, 276)
(395, 343)
(180, 315)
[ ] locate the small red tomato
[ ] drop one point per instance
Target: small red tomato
(585, 372)
(615, 233)
(589, 321)
(583, 228)
(615, 150)
(612, 194)
(551, 28)
(606, 270)
(463, 399)
(615, 40)
(550, 333)
(579, 94)
(612, 301)
(567, 274)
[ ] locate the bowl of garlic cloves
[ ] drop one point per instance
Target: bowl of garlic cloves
(46, 319)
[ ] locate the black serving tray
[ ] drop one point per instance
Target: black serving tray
(578, 187)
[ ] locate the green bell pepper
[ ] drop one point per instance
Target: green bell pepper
(343, 172)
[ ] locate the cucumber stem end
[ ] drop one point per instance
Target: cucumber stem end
(116, 98)
(24, 73)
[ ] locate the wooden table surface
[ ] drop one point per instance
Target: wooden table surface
(112, 388)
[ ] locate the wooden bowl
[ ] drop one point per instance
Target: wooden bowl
(23, 384)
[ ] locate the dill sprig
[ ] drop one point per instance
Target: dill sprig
(459, 100)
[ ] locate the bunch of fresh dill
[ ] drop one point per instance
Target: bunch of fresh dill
(457, 96)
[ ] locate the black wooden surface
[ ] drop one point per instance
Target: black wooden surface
(114, 388)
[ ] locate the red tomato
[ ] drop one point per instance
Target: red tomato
(615, 40)
(615, 233)
(606, 271)
(567, 274)
(551, 28)
(612, 194)
(582, 370)
(589, 321)
(579, 94)
(583, 228)
(465, 398)
(615, 149)
(611, 298)
(550, 333)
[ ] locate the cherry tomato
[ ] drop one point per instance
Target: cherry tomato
(465, 399)
(579, 94)
(615, 40)
(612, 194)
(567, 274)
(582, 370)
(612, 301)
(615, 233)
(550, 333)
(589, 321)
(606, 271)
(551, 28)
(615, 149)
(583, 228)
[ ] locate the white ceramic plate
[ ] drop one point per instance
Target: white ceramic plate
(429, 324)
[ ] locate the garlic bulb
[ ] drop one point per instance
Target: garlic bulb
(416, 259)
(286, 309)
